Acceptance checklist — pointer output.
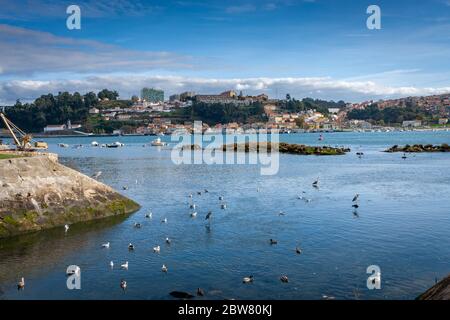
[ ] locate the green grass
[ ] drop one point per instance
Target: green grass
(8, 156)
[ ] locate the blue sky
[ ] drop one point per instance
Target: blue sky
(317, 48)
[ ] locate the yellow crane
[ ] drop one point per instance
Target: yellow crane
(23, 141)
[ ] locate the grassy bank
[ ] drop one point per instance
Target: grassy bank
(8, 156)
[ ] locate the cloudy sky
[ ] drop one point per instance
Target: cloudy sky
(315, 48)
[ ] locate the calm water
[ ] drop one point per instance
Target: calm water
(403, 225)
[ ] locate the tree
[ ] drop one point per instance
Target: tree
(107, 94)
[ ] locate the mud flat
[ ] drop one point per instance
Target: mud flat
(37, 192)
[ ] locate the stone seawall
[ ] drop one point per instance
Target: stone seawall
(36, 193)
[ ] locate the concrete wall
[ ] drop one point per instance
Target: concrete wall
(38, 193)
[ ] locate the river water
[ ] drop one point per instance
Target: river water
(402, 225)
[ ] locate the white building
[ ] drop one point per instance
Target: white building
(55, 127)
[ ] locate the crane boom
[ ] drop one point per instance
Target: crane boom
(16, 141)
(24, 142)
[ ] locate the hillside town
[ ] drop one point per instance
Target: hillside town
(152, 114)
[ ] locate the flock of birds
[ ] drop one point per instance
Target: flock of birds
(193, 214)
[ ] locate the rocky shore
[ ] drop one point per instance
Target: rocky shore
(440, 291)
(420, 148)
(36, 193)
(283, 147)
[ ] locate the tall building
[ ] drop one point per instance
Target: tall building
(152, 95)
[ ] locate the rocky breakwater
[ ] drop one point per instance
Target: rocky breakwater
(420, 148)
(283, 147)
(36, 193)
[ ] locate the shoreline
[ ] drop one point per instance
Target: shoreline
(387, 130)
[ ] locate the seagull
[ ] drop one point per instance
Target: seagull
(157, 249)
(298, 250)
(164, 268)
(356, 197)
(21, 284)
(206, 191)
(190, 196)
(356, 206)
(223, 206)
(66, 228)
(137, 225)
(105, 245)
(199, 193)
(248, 279)
(208, 216)
(97, 175)
(355, 214)
(221, 198)
(192, 206)
(325, 297)
(149, 215)
(131, 246)
(164, 220)
(281, 213)
(111, 264)
(123, 284)
(404, 156)
(284, 279)
(316, 183)
(124, 188)
(200, 292)
(124, 266)
(194, 214)
(272, 241)
(168, 241)
(300, 197)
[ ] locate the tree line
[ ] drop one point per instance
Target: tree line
(390, 115)
(52, 109)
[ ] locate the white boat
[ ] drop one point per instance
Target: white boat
(158, 143)
(115, 145)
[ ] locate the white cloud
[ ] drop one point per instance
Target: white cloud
(127, 85)
(25, 51)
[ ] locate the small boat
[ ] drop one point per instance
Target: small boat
(115, 145)
(158, 143)
(320, 138)
(94, 143)
(63, 145)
